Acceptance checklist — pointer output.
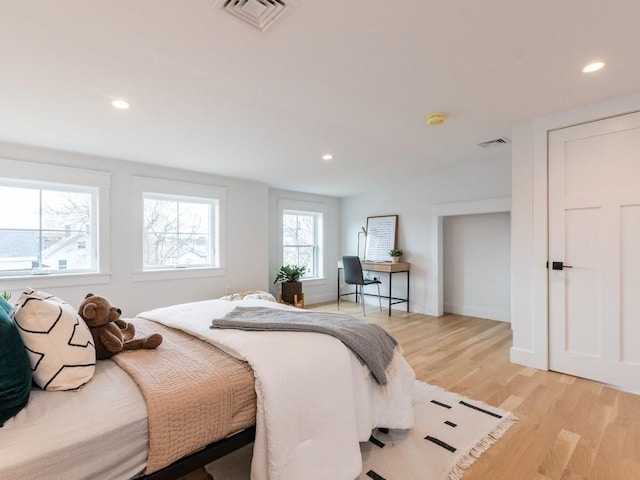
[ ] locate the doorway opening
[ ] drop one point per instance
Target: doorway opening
(439, 212)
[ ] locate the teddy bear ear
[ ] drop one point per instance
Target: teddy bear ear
(89, 311)
(88, 295)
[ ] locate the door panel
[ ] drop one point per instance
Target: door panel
(582, 286)
(594, 227)
(616, 173)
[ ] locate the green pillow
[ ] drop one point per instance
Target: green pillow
(4, 305)
(15, 368)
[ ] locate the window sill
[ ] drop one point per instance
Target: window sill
(177, 273)
(54, 280)
(314, 281)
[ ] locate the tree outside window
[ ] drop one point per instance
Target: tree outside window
(178, 232)
(301, 240)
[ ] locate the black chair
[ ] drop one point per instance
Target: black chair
(353, 276)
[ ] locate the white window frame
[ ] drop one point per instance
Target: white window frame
(180, 191)
(213, 205)
(302, 207)
(19, 173)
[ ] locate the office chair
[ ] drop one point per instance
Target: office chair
(353, 276)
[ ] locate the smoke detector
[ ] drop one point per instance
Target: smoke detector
(495, 143)
(258, 13)
(435, 118)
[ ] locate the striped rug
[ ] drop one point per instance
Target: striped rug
(450, 433)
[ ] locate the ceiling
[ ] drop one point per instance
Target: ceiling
(354, 78)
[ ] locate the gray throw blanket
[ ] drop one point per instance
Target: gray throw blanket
(371, 344)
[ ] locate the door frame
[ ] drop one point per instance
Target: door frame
(530, 233)
(441, 210)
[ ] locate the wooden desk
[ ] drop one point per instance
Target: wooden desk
(390, 269)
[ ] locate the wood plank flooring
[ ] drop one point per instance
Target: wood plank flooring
(568, 429)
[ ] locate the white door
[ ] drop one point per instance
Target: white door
(594, 228)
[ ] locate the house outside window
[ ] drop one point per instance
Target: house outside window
(179, 232)
(47, 228)
(302, 241)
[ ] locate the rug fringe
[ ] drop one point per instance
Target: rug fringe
(457, 472)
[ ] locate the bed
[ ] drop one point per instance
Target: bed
(295, 437)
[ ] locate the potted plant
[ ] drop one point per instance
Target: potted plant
(289, 276)
(395, 254)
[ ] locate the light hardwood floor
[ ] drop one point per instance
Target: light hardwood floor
(568, 429)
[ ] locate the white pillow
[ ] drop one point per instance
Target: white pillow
(255, 294)
(59, 343)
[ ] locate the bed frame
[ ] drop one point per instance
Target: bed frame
(208, 454)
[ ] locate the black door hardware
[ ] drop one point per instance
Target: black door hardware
(559, 266)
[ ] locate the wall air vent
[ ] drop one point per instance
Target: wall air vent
(258, 13)
(495, 143)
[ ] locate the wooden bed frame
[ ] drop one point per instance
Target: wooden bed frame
(208, 454)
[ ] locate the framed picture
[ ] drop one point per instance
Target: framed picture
(381, 237)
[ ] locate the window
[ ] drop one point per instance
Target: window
(178, 232)
(47, 228)
(301, 240)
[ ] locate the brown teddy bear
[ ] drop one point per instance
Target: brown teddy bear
(110, 333)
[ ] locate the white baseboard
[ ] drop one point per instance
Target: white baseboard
(527, 358)
(471, 311)
(319, 298)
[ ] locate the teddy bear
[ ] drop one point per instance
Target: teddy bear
(110, 333)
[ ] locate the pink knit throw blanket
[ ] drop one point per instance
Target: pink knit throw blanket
(195, 393)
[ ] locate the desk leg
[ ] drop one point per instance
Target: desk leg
(390, 277)
(408, 292)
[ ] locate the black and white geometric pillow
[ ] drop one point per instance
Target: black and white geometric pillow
(59, 343)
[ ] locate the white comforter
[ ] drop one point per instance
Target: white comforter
(315, 401)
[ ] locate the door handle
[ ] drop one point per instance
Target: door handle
(559, 266)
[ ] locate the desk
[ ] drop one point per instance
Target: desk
(390, 269)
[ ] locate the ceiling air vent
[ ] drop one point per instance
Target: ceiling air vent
(258, 13)
(495, 143)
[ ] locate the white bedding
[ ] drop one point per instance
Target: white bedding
(56, 437)
(315, 400)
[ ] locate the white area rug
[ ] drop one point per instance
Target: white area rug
(450, 432)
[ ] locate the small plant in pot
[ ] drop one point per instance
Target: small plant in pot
(289, 276)
(395, 254)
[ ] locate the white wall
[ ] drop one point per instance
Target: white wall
(246, 237)
(529, 224)
(477, 264)
(315, 291)
(415, 202)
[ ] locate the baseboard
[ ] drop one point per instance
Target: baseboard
(311, 299)
(528, 358)
(488, 313)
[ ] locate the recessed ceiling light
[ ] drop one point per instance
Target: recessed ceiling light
(327, 157)
(121, 104)
(593, 67)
